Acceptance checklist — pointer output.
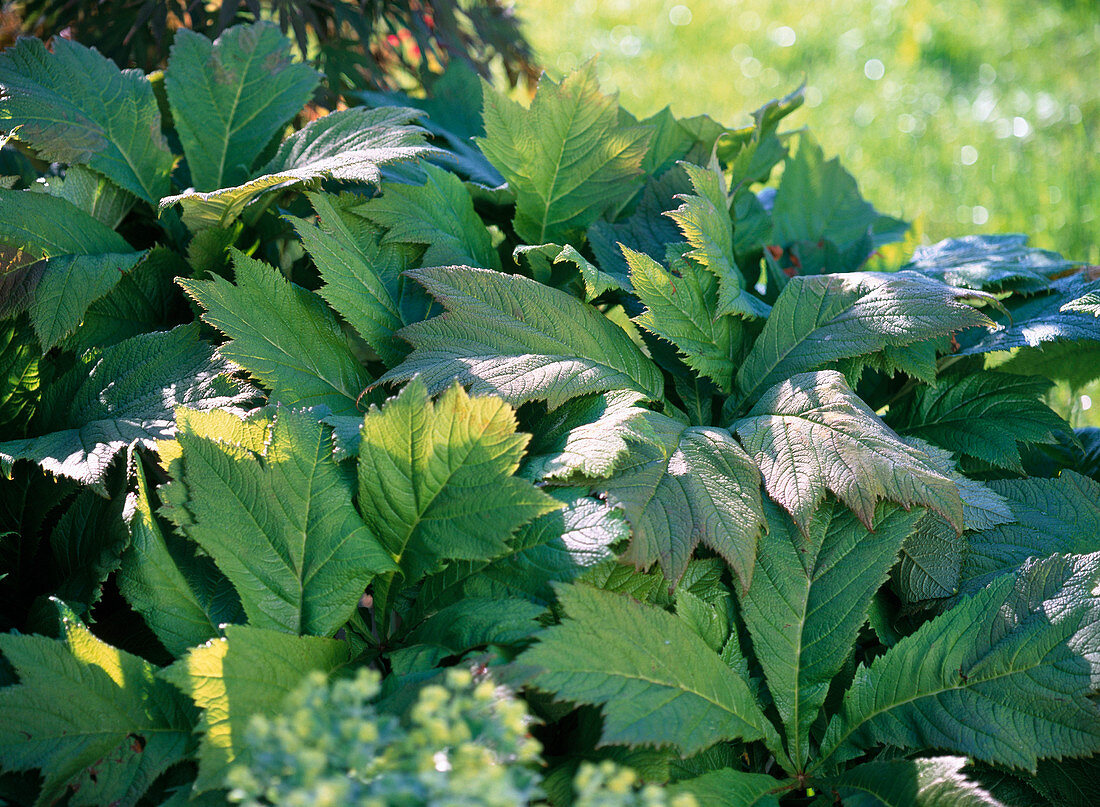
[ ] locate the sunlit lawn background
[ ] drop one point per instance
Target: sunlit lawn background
(959, 116)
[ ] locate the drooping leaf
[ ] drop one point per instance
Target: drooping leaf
(1051, 515)
(249, 672)
(691, 485)
(122, 397)
(82, 706)
(542, 259)
(809, 597)
(921, 782)
(86, 544)
(704, 219)
(811, 433)
(75, 106)
(982, 414)
(566, 157)
(230, 97)
(438, 214)
(683, 309)
(728, 787)
(436, 479)
(990, 263)
(586, 437)
(180, 594)
(1020, 655)
(284, 335)
(515, 338)
(820, 319)
(364, 279)
(281, 526)
(351, 144)
(632, 660)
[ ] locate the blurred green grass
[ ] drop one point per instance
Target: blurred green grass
(961, 117)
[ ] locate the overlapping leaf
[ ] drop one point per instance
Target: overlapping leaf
(1021, 657)
(92, 717)
(921, 782)
(690, 485)
(1088, 302)
(75, 106)
(230, 97)
(122, 397)
(990, 262)
(281, 526)
(249, 672)
(728, 787)
(284, 335)
(515, 338)
(566, 157)
(633, 660)
(808, 599)
(820, 319)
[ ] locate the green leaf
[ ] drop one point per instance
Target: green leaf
(509, 336)
(566, 157)
(249, 672)
(1087, 303)
(1051, 515)
(692, 485)
(982, 414)
(180, 594)
(922, 782)
(230, 97)
(75, 106)
(123, 397)
(84, 709)
(811, 434)
(351, 144)
(364, 280)
(93, 193)
(438, 214)
(281, 526)
(477, 622)
(284, 335)
(586, 437)
(19, 375)
(931, 559)
(86, 544)
(808, 599)
(682, 310)
(704, 219)
(820, 319)
(1018, 657)
(657, 681)
(730, 788)
(45, 226)
(436, 479)
(990, 263)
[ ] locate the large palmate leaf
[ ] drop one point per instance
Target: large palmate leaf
(820, 319)
(435, 479)
(284, 335)
(808, 599)
(1051, 515)
(230, 97)
(281, 526)
(704, 219)
(586, 437)
(990, 262)
(351, 144)
(922, 782)
(812, 433)
(439, 214)
(657, 681)
(179, 593)
(75, 106)
(1045, 319)
(984, 414)
(249, 672)
(730, 788)
(43, 225)
(364, 279)
(1020, 657)
(122, 397)
(95, 719)
(567, 158)
(515, 338)
(683, 309)
(690, 485)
